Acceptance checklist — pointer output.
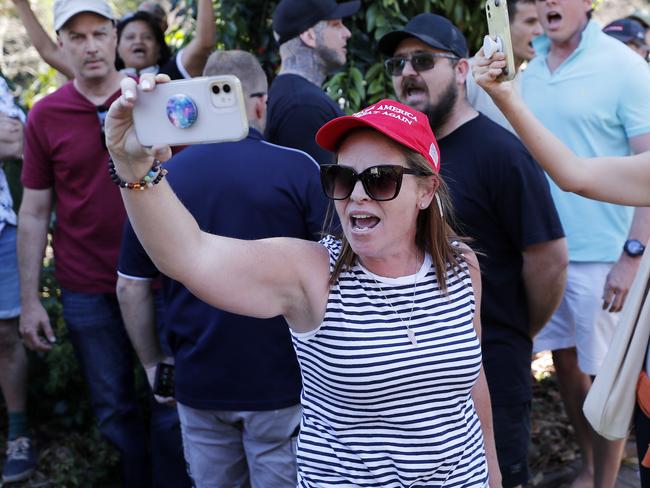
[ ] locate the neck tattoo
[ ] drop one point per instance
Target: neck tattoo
(409, 333)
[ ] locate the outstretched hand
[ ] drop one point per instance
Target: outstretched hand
(131, 158)
(486, 71)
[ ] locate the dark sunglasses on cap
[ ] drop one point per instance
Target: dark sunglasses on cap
(419, 61)
(381, 182)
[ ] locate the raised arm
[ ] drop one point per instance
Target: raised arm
(46, 47)
(196, 53)
(589, 177)
(263, 278)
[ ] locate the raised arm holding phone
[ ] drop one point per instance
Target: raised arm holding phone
(398, 257)
(617, 179)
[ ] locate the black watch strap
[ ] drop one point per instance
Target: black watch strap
(633, 248)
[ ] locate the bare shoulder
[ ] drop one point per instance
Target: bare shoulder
(317, 267)
(313, 253)
(311, 261)
(472, 262)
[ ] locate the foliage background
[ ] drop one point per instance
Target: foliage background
(71, 450)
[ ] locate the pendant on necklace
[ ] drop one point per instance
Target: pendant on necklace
(411, 336)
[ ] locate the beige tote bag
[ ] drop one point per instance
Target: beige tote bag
(610, 403)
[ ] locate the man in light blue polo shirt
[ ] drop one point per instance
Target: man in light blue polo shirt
(594, 94)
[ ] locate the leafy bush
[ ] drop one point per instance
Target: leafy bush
(246, 24)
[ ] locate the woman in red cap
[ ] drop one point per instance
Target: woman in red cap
(382, 318)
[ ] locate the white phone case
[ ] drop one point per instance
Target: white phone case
(196, 111)
(498, 22)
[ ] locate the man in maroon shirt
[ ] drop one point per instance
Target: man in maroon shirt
(66, 158)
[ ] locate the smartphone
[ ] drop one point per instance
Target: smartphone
(498, 22)
(196, 111)
(163, 383)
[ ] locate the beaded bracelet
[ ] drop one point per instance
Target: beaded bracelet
(153, 177)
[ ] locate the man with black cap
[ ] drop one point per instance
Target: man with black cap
(631, 33)
(502, 201)
(312, 41)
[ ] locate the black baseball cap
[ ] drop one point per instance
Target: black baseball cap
(642, 16)
(293, 17)
(626, 30)
(433, 30)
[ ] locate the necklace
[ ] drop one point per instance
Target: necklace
(409, 333)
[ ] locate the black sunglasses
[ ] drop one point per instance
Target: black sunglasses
(381, 182)
(419, 61)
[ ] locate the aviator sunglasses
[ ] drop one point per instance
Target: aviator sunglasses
(381, 182)
(419, 61)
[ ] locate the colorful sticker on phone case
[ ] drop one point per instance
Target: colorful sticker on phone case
(181, 111)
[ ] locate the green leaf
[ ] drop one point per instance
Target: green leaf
(374, 71)
(377, 86)
(357, 77)
(371, 17)
(355, 100)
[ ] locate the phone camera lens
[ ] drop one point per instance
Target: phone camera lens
(226, 88)
(216, 89)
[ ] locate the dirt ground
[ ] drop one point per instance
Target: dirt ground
(554, 455)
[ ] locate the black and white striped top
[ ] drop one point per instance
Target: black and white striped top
(379, 411)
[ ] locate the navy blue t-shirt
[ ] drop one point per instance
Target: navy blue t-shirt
(297, 109)
(502, 201)
(249, 190)
(170, 68)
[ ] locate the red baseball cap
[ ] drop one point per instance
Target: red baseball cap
(396, 121)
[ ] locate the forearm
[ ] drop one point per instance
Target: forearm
(45, 46)
(195, 55)
(481, 398)
(164, 227)
(544, 273)
(640, 228)
(11, 138)
(10, 150)
(31, 242)
(206, 25)
(544, 293)
(138, 313)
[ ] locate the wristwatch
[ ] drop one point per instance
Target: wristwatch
(633, 248)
